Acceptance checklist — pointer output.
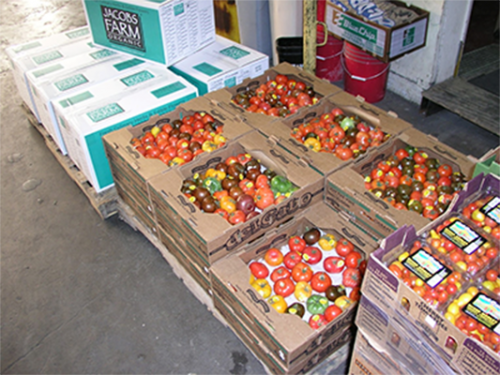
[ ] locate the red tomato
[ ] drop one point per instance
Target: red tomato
(445, 170)
(280, 273)
(402, 153)
(236, 217)
(334, 264)
(353, 259)
(320, 281)
(302, 272)
(343, 152)
(259, 270)
(284, 287)
(297, 243)
(291, 259)
(312, 254)
(344, 247)
(185, 154)
(332, 312)
(317, 321)
(351, 277)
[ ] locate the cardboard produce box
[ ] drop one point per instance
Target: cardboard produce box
(224, 97)
(390, 294)
(223, 63)
(345, 189)
(327, 162)
(74, 76)
(489, 163)
(133, 171)
(272, 364)
(18, 53)
(85, 127)
(211, 237)
(367, 27)
(161, 31)
(287, 336)
(400, 339)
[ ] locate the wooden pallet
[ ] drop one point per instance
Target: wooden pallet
(106, 202)
(469, 101)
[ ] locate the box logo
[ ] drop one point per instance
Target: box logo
(105, 112)
(123, 27)
(78, 33)
(234, 52)
(137, 78)
(47, 70)
(26, 47)
(102, 54)
(70, 82)
(360, 29)
(207, 69)
(409, 37)
(46, 57)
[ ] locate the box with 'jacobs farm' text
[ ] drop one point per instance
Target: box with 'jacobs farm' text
(161, 31)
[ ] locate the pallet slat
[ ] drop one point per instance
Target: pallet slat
(106, 202)
(467, 100)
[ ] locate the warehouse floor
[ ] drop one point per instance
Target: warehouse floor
(83, 295)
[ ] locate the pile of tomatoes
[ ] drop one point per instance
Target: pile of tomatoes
(179, 141)
(428, 274)
(411, 180)
(237, 189)
(346, 137)
(315, 276)
(465, 313)
(462, 244)
(278, 97)
(485, 214)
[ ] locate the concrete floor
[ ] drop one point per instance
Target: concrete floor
(81, 295)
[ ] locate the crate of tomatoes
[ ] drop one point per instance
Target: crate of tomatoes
(137, 153)
(280, 92)
(411, 179)
(339, 129)
(231, 196)
(297, 287)
(444, 278)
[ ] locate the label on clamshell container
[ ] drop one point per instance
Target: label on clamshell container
(427, 268)
(492, 209)
(485, 310)
(463, 236)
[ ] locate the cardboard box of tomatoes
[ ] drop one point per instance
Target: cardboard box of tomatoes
(410, 179)
(444, 279)
(398, 339)
(232, 195)
(388, 30)
(337, 130)
(269, 359)
(163, 31)
(296, 287)
(279, 92)
(138, 153)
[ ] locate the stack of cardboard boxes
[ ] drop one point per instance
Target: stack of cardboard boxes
(100, 110)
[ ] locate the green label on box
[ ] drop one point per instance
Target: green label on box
(63, 123)
(46, 57)
(73, 81)
(360, 29)
(167, 90)
(137, 78)
(78, 33)
(178, 9)
(26, 47)
(207, 69)
(128, 64)
(47, 70)
(105, 112)
(76, 99)
(409, 37)
(234, 52)
(230, 82)
(102, 54)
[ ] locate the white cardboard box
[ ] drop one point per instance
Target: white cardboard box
(61, 78)
(161, 31)
(223, 63)
(45, 58)
(87, 126)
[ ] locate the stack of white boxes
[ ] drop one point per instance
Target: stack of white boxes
(90, 81)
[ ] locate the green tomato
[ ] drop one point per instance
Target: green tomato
(212, 184)
(317, 304)
(281, 184)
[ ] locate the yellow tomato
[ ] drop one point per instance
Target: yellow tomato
(327, 242)
(303, 291)
(262, 287)
(278, 303)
